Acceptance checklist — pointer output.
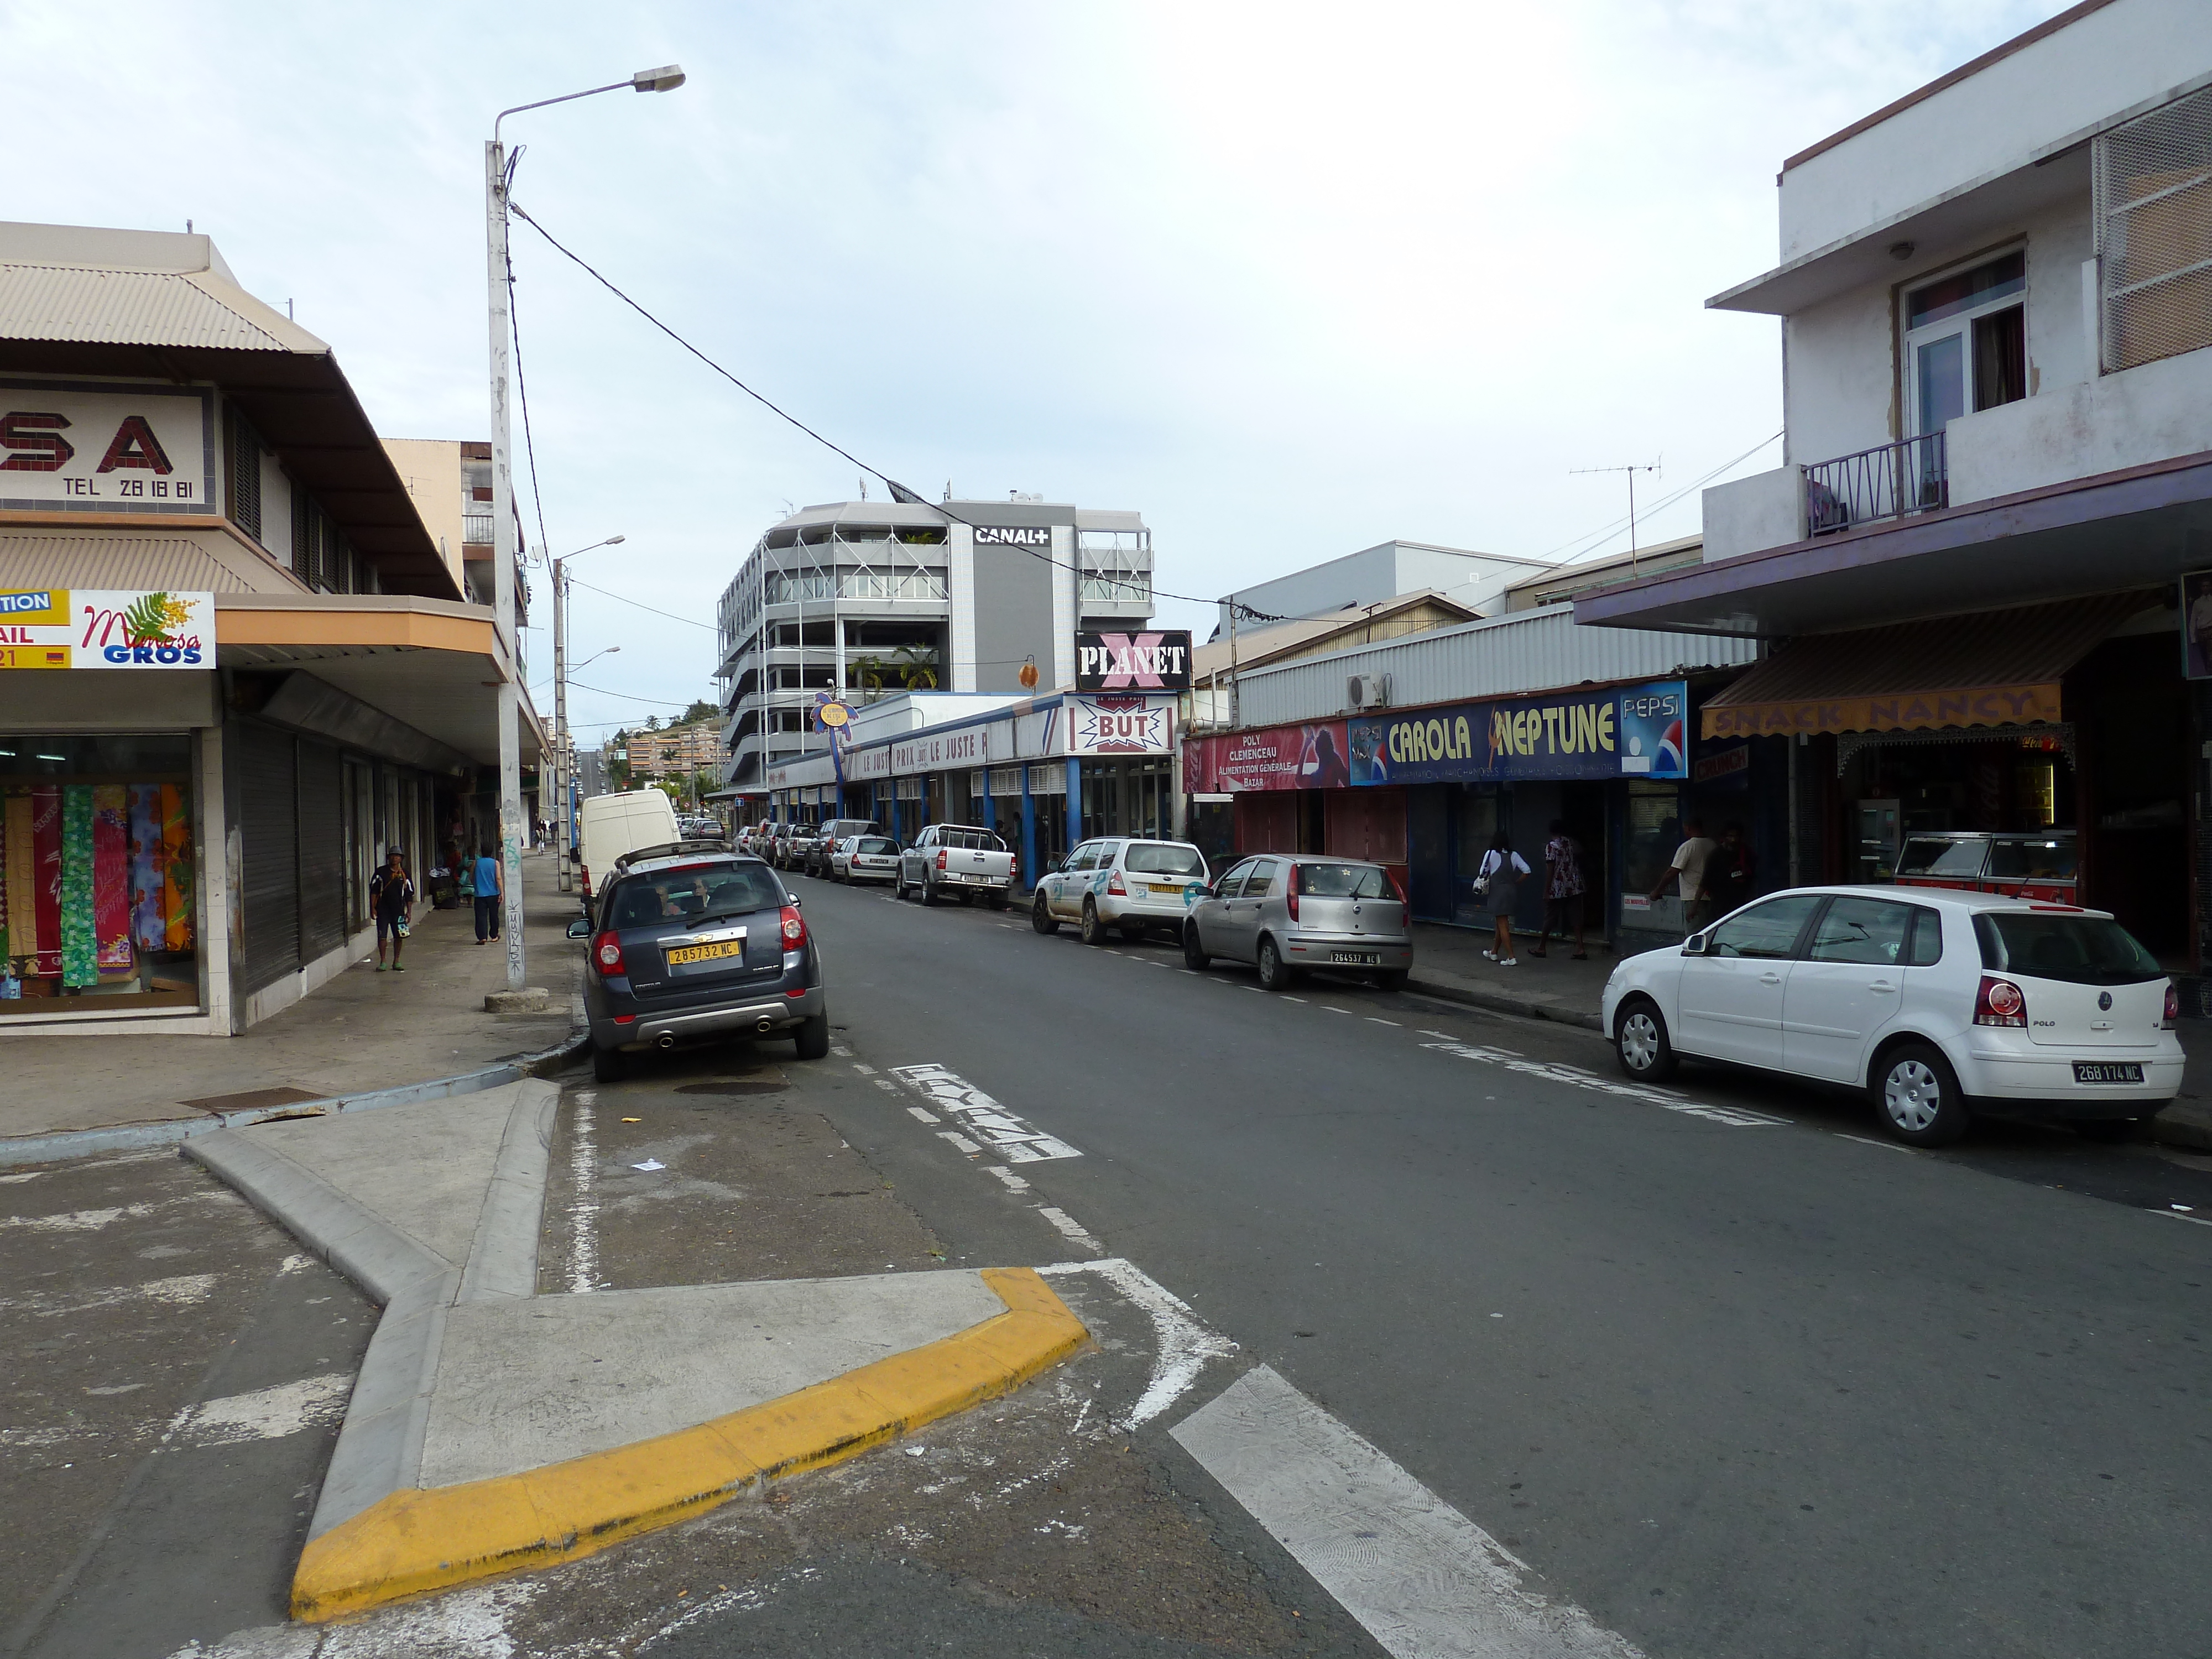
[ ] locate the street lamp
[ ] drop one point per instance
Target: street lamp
(665, 79)
(562, 853)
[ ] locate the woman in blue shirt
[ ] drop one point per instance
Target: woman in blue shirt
(486, 886)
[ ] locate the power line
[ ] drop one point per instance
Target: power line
(522, 388)
(693, 622)
(631, 696)
(1589, 541)
(899, 491)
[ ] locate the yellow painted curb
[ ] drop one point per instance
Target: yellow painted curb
(425, 1540)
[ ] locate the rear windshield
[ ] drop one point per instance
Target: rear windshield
(1933, 856)
(1359, 881)
(685, 895)
(2082, 949)
(876, 844)
(1154, 858)
(2032, 858)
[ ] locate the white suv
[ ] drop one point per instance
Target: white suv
(1941, 1005)
(1124, 882)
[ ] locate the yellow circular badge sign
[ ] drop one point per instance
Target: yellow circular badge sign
(835, 714)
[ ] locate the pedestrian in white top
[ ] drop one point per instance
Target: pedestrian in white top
(1498, 881)
(1688, 869)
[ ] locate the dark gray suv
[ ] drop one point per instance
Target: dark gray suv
(698, 947)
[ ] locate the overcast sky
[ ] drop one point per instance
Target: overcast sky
(1288, 279)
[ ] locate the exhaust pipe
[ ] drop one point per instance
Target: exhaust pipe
(766, 1025)
(667, 1041)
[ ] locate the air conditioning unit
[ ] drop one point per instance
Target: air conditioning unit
(1367, 691)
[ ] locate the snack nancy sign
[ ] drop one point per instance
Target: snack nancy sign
(106, 627)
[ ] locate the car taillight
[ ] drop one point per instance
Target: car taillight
(940, 858)
(1291, 898)
(2172, 1005)
(794, 928)
(607, 956)
(1397, 887)
(1999, 1002)
(1114, 886)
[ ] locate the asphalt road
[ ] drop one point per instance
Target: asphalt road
(1728, 1371)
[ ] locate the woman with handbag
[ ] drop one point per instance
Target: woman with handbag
(392, 900)
(1498, 881)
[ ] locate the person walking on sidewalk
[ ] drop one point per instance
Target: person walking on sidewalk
(1499, 880)
(1688, 869)
(488, 895)
(1563, 892)
(392, 901)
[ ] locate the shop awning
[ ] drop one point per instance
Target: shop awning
(1999, 668)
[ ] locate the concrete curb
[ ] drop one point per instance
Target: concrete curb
(84, 1142)
(379, 1446)
(415, 1540)
(1505, 1002)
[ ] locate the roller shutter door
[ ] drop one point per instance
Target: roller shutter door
(322, 850)
(269, 853)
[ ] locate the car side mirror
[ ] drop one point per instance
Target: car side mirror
(580, 928)
(1695, 945)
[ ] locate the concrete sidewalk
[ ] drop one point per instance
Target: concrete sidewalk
(362, 1032)
(493, 1429)
(1449, 963)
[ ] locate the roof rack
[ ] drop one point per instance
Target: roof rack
(670, 849)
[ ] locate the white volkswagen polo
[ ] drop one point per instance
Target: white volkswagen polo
(1943, 1006)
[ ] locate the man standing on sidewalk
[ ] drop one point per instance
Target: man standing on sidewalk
(390, 901)
(1688, 869)
(487, 885)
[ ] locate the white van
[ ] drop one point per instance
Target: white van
(608, 826)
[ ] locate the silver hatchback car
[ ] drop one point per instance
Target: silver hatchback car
(1287, 912)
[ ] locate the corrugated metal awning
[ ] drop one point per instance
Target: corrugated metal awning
(90, 305)
(1999, 668)
(210, 562)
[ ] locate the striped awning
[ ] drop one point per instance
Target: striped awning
(1996, 668)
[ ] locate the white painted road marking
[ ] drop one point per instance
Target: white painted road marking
(1185, 1341)
(1738, 1117)
(1869, 1141)
(1423, 1578)
(1069, 1227)
(999, 1129)
(583, 1211)
(923, 1115)
(268, 1413)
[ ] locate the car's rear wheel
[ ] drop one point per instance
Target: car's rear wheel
(1040, 916)
(1641, 1044)
(813, 1037)
(608, 1064)
(1916, 1094)
(1275, 974)
(1094, 931)
(928, 889)
(1194, 953)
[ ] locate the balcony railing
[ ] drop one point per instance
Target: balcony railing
(1892, 482)
(476, 527)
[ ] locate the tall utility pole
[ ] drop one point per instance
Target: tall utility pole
(665, 79)
(1631, 472)
(561, 743)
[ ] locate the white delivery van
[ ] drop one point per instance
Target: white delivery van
(608, 826)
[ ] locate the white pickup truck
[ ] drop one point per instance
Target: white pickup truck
(957, 857)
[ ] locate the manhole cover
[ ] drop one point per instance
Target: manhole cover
(253, 1098)
(736, 1085)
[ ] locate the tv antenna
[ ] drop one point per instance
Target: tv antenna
(1631, 472)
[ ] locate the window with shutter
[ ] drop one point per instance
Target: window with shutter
(241, 456)
(2153, 185)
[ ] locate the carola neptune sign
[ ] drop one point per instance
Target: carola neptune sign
(1635, 731)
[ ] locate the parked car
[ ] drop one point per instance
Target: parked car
(1942, 1005)
(865, 858)
(797, 845)
(957, 857)
(698, 946)
(608, 826)
(1288, 912)
(772, 848)
(1126, 883)
(836, 829)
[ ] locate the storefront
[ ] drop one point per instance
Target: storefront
(1424, 791)
(1043, 772)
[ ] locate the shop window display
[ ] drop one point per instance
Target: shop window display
(97, 872)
